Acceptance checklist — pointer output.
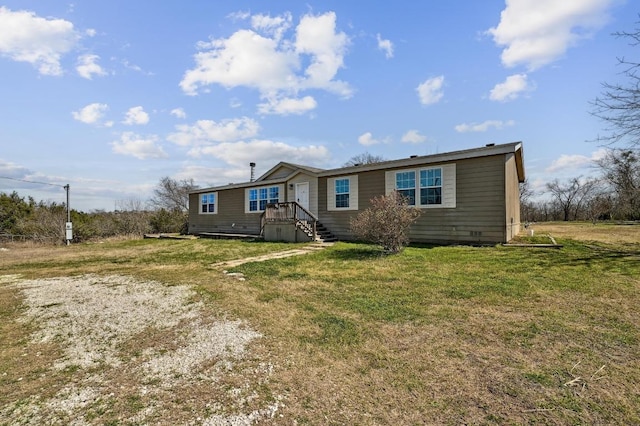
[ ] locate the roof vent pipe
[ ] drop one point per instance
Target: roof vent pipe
(253, 171)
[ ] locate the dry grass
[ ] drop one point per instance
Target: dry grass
(609, 233)
(435, 335)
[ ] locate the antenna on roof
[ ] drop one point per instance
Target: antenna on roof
(253, 171)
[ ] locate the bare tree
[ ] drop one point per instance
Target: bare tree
(386, 222)
(621, 170)
(599, 207)
(571, 196)
(173, 194)
(526, 207)
(364, 158)
(619, 105)
(130, 205)
(45, 223)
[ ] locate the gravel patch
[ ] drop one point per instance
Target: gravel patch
(92, 316)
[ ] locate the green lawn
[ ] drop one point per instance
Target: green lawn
(434, 335)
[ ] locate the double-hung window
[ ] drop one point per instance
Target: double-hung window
(260, 197)
(427, 187)
(430, 186)
(342, 193)
(208, 203)
(406, 186)
(423, 187)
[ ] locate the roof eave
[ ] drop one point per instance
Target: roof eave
(485, 151)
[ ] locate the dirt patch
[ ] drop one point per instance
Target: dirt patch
(109, 371)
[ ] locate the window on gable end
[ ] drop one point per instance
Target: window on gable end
(208, 203)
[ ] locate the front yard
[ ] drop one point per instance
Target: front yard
(149, 332)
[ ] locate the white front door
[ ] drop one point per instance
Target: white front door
(302, 194)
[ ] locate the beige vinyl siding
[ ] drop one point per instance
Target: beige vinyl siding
(512, 190)
(230, 218)
(353, 193)
(281, 172)
(370, 184)
(478, 216)
(313, 190)
(479, 213)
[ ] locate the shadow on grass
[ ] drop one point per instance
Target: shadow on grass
(365, 251)
(624, 258)
(357, 253)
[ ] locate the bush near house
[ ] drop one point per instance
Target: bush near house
(386, 223)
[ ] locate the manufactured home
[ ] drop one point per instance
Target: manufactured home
(468, 196)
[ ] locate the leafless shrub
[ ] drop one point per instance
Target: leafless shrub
(386, 222)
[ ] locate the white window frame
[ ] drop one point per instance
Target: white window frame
(216, 203)
(267, 191)
(448, 185)
(332, 194)
(436, 184)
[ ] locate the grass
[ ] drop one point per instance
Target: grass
(435, 335)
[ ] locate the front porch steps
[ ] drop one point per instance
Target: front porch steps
(323, 234)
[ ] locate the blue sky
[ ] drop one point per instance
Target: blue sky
(111, 96)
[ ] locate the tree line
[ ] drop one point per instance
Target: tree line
(614, 194)
(166, 212)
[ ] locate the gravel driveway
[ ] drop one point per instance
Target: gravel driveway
(144, 341)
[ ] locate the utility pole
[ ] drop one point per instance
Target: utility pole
(68, 225)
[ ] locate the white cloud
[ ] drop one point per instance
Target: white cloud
(206, 176)
(232, 62)
(208, 132)
(275, 26)
(537, 32)
(91, 114)
(413, 136)
(239, 15)
(134, 67)
(178, 112)
(286, 106)
(484, 126)
(138, 146)
(511, 89)
(575, 161)
(136, 115)
(367, 139)
(87, 66)
(430, 91)
(316, 36)
(12, 170)
(386, 46)
(26, 37)
(265, 152)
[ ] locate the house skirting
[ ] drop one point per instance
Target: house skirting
(285, 231)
